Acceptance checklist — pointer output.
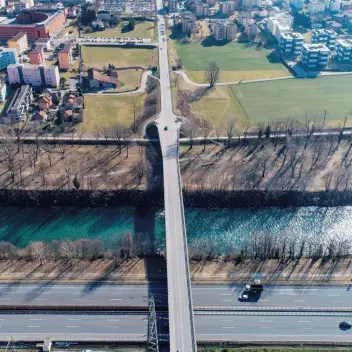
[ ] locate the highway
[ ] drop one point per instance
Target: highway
(203, 295)
(181, 322)
(130, 327)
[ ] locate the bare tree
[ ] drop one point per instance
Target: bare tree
(212, 73)
(126, 245)
(206, 128)
(230, 129)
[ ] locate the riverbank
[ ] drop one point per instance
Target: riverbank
(141, 271)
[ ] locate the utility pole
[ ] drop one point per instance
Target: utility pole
(153, 345)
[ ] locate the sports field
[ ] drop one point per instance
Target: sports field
(236, 60)
(98, 56)
(268, 101)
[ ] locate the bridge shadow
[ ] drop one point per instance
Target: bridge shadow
(145, 227)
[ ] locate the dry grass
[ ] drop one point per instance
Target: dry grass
(130, 79)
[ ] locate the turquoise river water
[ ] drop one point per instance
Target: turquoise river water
(226, 226)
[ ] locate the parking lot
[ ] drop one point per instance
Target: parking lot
(112, 40)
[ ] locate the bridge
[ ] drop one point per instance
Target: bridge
(181, 321)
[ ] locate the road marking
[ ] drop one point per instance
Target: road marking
(336, 301)
(227, 320)
(6, 299)
(73, 319)
(36, 319)
(115, 299)
(72, 326)
(266, 327)
(226, 300)
(225, 294)
(299, 300)
(263, 300)
(306, 328)
(111, 326)
(113, 319)
(265, 321)
(41, 299)
(115, 293)
(79, 299)
(228, 327)
(335, 295)
(304, 321)
(33, 326)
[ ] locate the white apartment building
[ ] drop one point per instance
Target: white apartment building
(243, 18)
(333, 5)
(324, 36)
(173, 5)
(225, 31)
(3, 91)
(19, 105)
(297, 4)
(276, 28)
(35, 75)
(227, 7)
(202, 10)
(291, 43)
(344, 50)
(251, 29)
(188, 21)
(248, 4)
(315, 55)
(316, 6)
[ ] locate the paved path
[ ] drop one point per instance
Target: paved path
(182, 336)
(141, 89)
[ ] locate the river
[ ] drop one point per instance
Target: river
(222, 227)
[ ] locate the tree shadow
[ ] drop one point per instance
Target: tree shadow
(199, 94)
(126, 28)
(273, 58)
(211, 41)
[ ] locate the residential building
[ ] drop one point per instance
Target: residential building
(249, 4)
(173, 4)
(315, 55)
(19, 42)
(276, 28)
(65, 57)
(316, 6)
(202, 10)
(251, 29)
(36, 75)
(333, 5)
(96, 80)
(344, 50)
(291, 43)
(188, 22)
(297, 4)
(335, 26)
(44, 102)
(45, 42)
(19, 105)
(324, 36)
(36, 56)
(224, 31)
(7, 57)
(243, 18)
(3, 91)
(227, 8)
(211, 2)
(39, 117)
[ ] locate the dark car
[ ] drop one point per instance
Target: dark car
(345, 325)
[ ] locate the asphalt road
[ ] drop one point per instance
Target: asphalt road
(182, 335)
(219, 328)
(203, 295)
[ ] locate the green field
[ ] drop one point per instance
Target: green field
(141, 30)
(236, 60)
(98, 56)
(268, 101)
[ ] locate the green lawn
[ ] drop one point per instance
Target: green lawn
(296, 97)
(102, 112)
(98, 56)
(236, 60)
(141, 30)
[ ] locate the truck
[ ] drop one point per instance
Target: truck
(254, 288)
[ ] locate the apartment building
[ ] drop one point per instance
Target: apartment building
(251, 29)
(276, 27)
(333, 5)
(291, 43)
(7, 57)
(36, 56)
(35, 75)
(65, 57)
(227, 8)
(324, 36)
(202, 10)
(3, 91)
(19, 42)
(188, 22)
(316, 6)
(315, 55)
(19, 105)
(344, 50)
(173, 4)
(224, 31)
(249, 4)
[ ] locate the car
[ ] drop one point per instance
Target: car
(243, 297)
(345, 325)
(165, 128)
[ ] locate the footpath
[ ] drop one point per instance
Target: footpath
(304, 271)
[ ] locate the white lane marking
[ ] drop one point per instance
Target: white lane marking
(36, 319)
(266, 327)
(227, 320)
(228, 327)
(226, 300)
(225, 294)
(115, 299)
(113, 320)
(304, 321)
(116, 293)
(72, 326)
(111, 326)
(263, 300)
(265, 321)
(334, 295)
(41, 299)
(73, 319)
(336, 301)
(299, 300)
(306, 328)
(33, 326)
(79, 299)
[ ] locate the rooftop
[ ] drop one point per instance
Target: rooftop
(316, 47)
(18, 97)
(18, 36)
(291, 35)
(95, 74)
(324, 31)
(347, 43)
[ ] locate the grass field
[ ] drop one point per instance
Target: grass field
(141, 30)
(236, 60)
(295, 97)
(98, 56)
(104, 112)
(131, 80)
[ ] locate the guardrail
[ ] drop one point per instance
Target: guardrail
(272, 308)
